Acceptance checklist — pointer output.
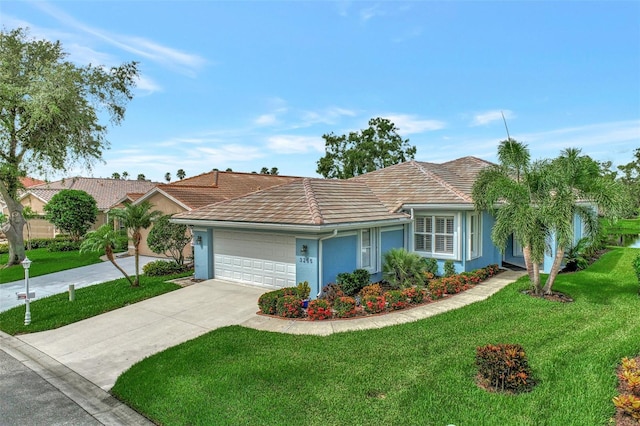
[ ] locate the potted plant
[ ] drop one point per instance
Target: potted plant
(303, 291)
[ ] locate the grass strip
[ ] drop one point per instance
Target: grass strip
(45, 262)
(410, 374)
(57, 311)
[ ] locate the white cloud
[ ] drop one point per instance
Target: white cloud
(328, 116)
(227, 153)
(410, 124)
(266, 120)
(172, 58)
(371, 12)
(490, 116)
(290, 144)
(408, 34)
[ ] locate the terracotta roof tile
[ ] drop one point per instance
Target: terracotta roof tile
(302, 202)
(216, 186)
(106, 192)
(416, 182)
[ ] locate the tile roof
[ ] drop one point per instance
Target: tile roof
(417, 182)
(28, 182)
(302, 202)
(106, 192)
(213, 187)
(374, 196)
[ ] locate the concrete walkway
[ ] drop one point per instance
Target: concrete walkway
(84, 359)
(58, 282)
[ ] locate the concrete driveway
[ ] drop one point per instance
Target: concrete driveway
(103, 347)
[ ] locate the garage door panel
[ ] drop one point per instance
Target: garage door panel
(255, 258)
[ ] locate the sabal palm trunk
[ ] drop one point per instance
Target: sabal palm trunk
(136, 250)
(109, 252)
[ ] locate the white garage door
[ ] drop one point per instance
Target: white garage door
(255, 258)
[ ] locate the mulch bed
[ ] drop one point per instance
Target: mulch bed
(621, 418)
(555, 296)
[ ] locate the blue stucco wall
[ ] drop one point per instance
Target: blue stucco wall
(339, 255)
(203, 254)
(307, 264)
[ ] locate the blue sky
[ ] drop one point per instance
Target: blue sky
(247, 84)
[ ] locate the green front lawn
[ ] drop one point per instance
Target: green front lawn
(46, 262)
(420, 373)
(623, 226)
(56, 311)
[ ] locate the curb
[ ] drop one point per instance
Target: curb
(101, 405)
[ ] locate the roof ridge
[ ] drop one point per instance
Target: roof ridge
(442, 182)
(312, 202)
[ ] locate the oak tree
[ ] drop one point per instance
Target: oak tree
(49, 110)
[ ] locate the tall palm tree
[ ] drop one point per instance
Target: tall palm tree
(573, 187)
(136, 217)
(505, 190)
(103, 239)
(536, 202)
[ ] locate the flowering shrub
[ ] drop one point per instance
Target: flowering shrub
(345, 307)
(268, 301)
(436, 289)
(428, 276)
(492, 270)
(397, 300)
(374, 304)
(331, 292)
(413, 295)
(371, 290)
(289, 307)
(504, 368)
(319, 309)
(629, 402)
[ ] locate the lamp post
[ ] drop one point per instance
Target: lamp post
(26, 263)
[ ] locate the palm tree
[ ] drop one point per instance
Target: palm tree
(103, 239)
(505, 191)
(181, 174)
(136, 217)
(537, 202)
(573, 187)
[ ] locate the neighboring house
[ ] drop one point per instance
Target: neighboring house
(313, 229)
(26, 182)
(201, 190)
(107, 193)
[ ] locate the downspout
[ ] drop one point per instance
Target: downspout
(335, 232)
(409, 240)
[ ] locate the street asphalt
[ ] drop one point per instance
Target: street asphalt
(58, 282)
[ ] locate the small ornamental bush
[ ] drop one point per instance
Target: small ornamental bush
(504, 368)
(331, 292)
(352, 283)
(159, 268)
(628, 403)
(374, 304)
(449, 268)
(629, 400)
(289, 307)
(396, 299)
(268, 301)
(4, 248)
(371, 290)
(413, 295)
(428, 276)
(454, 284)
(492, 270)
(345, 307)
(319, 309)
(431, 266)
(402, 268)
(303, 290)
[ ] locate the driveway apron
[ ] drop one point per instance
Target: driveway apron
(103, 347)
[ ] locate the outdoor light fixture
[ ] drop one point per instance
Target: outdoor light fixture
(303, 250)
(199, 240)
(26, 264)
